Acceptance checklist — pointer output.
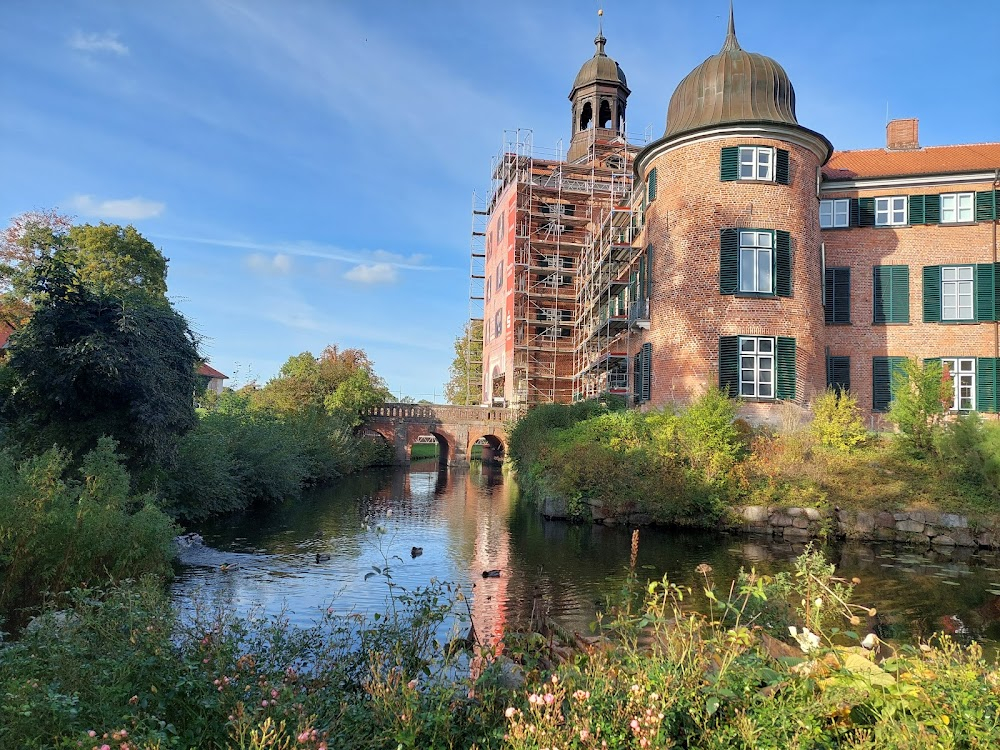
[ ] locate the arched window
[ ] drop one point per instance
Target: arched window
(604, 121)
(586, 117)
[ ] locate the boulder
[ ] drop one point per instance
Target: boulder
(813, 514)
(943, 540)
(916, 527)
(754, 514)
(800, 522)
(954, 521)
(885, 520)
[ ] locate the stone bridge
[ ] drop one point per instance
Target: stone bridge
(457, 428)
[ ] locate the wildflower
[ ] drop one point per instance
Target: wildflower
(924, 647)
(581, 695)
(549, 699)
(91, 733)
(510, 712)
(807, 640)
(304, 736)
(872, 612)
(263, 703)
(533, 699)
(818, 602)
(636, 689)
(855, 620)
(703, 569)
(634, 724)
(870, 641)
(584, 735)
(555, 679)
(412, 684)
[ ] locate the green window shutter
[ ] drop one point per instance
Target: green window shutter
(932, 294)
(988, 385)
(729, 365)
(883, 369)
(932, 209)
(637, 377)
(729, 262)
(652, 184)
(866, 212)
(785, 375)
(781, 166)
(782, 263)
(916, 209)
(730, 164)
(649, 271)
(838, 295)
(854, 219)
(986, 289)
(986, 205)
(838, 373)
(891, 287)
(647, 375)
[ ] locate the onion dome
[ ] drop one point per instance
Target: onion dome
(599, 68)
(733, 86)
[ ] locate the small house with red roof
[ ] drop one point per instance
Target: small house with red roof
(211, 378)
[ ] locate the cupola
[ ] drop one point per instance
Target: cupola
(597, 99)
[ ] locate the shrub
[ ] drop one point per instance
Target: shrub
(837, 421)
(708, 435)
(56, 531)
(919, 394)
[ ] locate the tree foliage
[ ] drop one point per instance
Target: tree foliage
(837, 421)
(90, 363)
(465, 383)
(920, 392)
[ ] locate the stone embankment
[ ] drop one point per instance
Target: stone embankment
(922, 527)
(912, 526)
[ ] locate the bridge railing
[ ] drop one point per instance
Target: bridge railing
(442, 413)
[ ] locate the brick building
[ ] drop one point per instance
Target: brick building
(740, 250)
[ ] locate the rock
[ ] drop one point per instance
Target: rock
(813, 514)
(754, 514)
(884, 520)
(639, 519)
(800, 523)
(901, 515)
(954, 521)
(916, 527)
(780, 520)
(797, 533)
(555, 507)
(794, 512)
(963, 538)
(864, 523)
(943, 540)
(985, 539)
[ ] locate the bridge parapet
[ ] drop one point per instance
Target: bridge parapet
(442, 413)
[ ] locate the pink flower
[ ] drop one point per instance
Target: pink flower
(105, 746)
(91, 733)
(634, 724)
(304, 737)
(264, 703)
(549, 699)
(509, 713)
(584, 734)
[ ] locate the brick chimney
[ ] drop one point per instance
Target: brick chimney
(901, 135)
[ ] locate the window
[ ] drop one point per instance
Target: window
(837, 296)
(756, 163)
(956, 293)
(890, 212)
(498, 323)
(962, 372)
(957, 207)
(838, 373)
(883, 380)
(756, 262)
(835, 213)
(499, 282)
(651, 185)
(891, 294)
(756, 367)
(760, 163)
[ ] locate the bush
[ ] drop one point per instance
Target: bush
(56, 532)
(837, 421)
(919, 394)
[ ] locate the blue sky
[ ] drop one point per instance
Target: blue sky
(308, 166)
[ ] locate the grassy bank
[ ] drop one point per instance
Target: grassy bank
(690, 466)
(777, 663)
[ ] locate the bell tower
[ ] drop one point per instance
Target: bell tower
(597, 101)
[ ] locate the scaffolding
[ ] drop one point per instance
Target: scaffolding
(477, 280)
(564, 212)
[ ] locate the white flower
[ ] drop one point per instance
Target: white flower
(807, 640)
(870, 641)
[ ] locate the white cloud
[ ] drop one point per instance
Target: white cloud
(129, 209)
(376, 273)
(94, 42)
(277, 264)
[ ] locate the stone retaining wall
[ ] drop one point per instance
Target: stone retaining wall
(913, 526)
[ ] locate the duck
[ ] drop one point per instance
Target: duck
(491, 574)
(416, 551)
(322, 557)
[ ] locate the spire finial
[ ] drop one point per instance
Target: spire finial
(731, 45)
(599, 40)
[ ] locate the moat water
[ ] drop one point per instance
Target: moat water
(469, 521)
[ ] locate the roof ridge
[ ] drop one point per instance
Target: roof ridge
(883, 149)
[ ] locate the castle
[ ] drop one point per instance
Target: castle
(737, 250)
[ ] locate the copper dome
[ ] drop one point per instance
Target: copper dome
(599, 68)
(730, 87)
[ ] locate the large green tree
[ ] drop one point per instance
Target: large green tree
(96, 360)
(465, 384)
(106, 259)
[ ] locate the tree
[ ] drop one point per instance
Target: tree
(90, 363)
(107, 259)
(920, 394)
(465, 383)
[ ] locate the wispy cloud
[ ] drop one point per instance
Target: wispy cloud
(269, 264)
(314, 250)
(376, 273)
(95, 42)
(129, 209)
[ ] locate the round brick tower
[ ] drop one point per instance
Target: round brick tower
(731, 221)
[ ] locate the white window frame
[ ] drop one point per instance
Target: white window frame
(760, 169)
(890, 211)
(953, 213)
(961, 289)
(760, 253)
(962, 371)
(757, 366)
(838, 213)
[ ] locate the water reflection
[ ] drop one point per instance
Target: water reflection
(467, 522)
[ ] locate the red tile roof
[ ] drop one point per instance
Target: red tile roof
(5, 332)
(880, 162)
(209, 371)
